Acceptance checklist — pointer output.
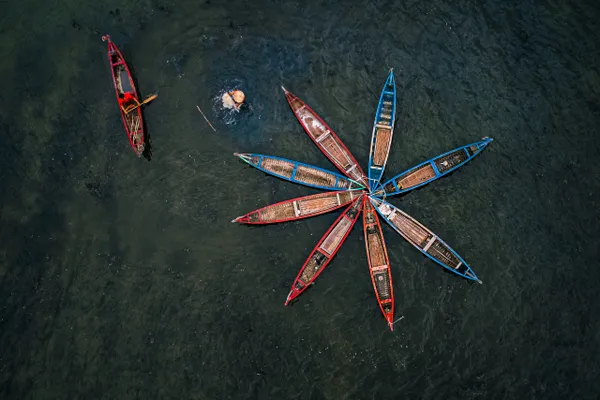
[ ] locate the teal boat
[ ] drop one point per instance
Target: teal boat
(431, 169)
(383, 130)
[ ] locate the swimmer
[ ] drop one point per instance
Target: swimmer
(233, 99)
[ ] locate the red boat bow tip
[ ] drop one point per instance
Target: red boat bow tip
(290, 297)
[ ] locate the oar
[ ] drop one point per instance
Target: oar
(148, 99)
(402, 317)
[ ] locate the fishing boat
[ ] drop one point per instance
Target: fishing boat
(379, 264)
(383, 130)
(326, 140)
(423, 239)
(431, 169)
(127, 97)
(299, 208)
(326, 249)
(297, 172)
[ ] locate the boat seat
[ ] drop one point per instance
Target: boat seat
(124, 80)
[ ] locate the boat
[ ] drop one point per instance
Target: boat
(431, 169)
(379, 263)
(326, 249)
(326, 140)
(383, 131)
(299, 208)
(423, 239)
(124, 85)
(297, 172)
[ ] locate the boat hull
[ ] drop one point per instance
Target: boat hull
(423, 239)
(379, 264)
(299, 208)
(297, 172)
(326, 249)
(383, 131)
(326, 140)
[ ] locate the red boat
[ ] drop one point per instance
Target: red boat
(127, 97)
(326, 249)
(299, 208)
(326, 140)
(379, 264)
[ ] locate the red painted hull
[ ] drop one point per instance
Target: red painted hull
(332, 147)
(379, 263)
(300, 208)
(132, 121)
(326, 249)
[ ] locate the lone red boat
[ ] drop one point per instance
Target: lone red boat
(127, 97)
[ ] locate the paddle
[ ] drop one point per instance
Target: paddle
(133, 107)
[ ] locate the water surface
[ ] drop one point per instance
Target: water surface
(122, 278)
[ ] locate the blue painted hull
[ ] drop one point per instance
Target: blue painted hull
(297, 172)
(383, 131)
(423, 239)
(431, 169)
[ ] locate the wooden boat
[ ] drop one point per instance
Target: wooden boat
(326, 249)
(298, 172)
(423, 239)
(125, 87)
(379, 264)
(383, 130)
(299, 208)
(432, 169)
(326, 140)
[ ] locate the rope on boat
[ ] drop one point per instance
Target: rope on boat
(206, 119)
(402, 317)
(136, 126)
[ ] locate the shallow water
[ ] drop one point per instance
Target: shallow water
(123, 278)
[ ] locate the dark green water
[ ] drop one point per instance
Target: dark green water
(122, 278)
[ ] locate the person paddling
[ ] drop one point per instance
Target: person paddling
(126, 98)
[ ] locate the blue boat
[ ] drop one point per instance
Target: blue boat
(298, 172)
(423, 239)
(383, 130)
(431, 170)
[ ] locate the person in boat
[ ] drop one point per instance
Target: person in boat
(233, 99)
(126, 98)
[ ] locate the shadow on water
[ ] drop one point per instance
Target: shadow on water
(147, 153)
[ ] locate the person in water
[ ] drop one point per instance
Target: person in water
(233, 99)
(126, 98)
